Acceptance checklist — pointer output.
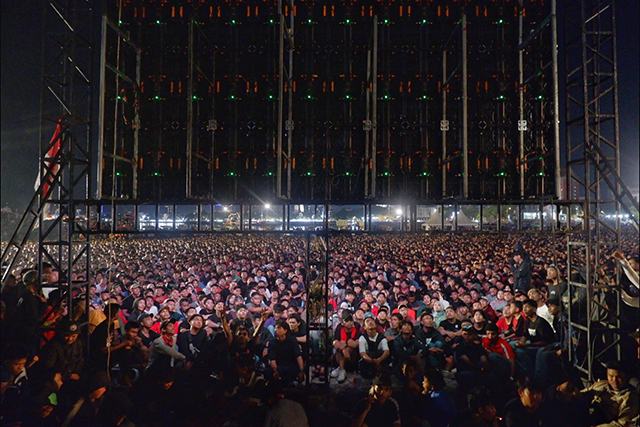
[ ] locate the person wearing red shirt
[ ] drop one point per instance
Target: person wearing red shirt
(500, 353)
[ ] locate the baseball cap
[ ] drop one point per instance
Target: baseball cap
(347, 315)
(67, 327)
(166, 323)
(143, 316)
(369, 315)
(344, 305)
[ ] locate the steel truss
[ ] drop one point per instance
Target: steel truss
(593, 166)
(58, 208)
(319, 326)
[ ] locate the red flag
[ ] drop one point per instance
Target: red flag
(52, 153)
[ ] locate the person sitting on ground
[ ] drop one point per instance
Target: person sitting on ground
(374, 349)
(471, 360)
(613, 402)
(431, 340)
(439, 409)
(537, 335)
(500, 353)
(164, 352)
(378, 409)
(524, 410)
(285, 357)
(406, 347)
(65, 352)
(345, 343)
(481, 411)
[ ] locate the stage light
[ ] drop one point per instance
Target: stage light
(347, 173)
(233, 22)
(158, 22)
(156, 174)
(347, 21)
(156, 97)
(500, 21)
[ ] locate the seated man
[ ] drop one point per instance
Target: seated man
(164, 351)
(406, 347)
(379, 408)
(614, 403)
(471, 360)
(431, 340)
(345, 343)
(500, 353)
(374, 349)
(285, 356)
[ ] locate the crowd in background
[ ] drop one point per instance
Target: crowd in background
(443, 329)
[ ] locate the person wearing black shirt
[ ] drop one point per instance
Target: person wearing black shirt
(192, 341)
(147, 336)
(524, 410)
(379, 409)
(431, 340)
(471, 359)
(285, 357)
(537, 334)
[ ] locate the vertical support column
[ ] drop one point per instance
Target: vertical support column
(189, 171)
(101, 105)
(443, 123)
(521, 131)
(290, 99)
(465, 110)
(136, 125)
(556, 97)
(374, 110)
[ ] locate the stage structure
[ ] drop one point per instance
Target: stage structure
(593, 175)
(59, 209)
(426, 115)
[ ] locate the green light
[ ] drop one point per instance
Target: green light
(425, 173)
(500, 21)
(502, 174)
(120, 22)
(309, 173)
(309, 96)
(270, 21)
(232, 97)
(270, 96)
(541, 174)
(233, 22)
(347, 173)
(501, 97)
(424, 21)
(386, 21)
(347, 21)
(195, 97)
(158, 22)
(270, 173)
(386, 97)
(540, 97)
(156, 174)
(386, 174)
(232, 174)
(347, 97)
(156, 97)
(118, 174)
(425, 97)
(119, 97)
(310, 21)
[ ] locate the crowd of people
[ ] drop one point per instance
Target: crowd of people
(443, 329)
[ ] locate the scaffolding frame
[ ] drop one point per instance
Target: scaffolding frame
(592, 173)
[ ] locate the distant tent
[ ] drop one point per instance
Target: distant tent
(463, 219)
(436, 221)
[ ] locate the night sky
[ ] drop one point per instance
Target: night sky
(21, 40)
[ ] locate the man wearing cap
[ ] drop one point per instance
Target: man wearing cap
(379, 409)
(431, 340)
(521, 268)
(345, 343)
(499, 352)
(471, 359)
(65, 352)
(373, 347)
(164, 351)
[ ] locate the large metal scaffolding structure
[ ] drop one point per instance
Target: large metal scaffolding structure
(593, 177)
(418, 142)
(59, 208)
